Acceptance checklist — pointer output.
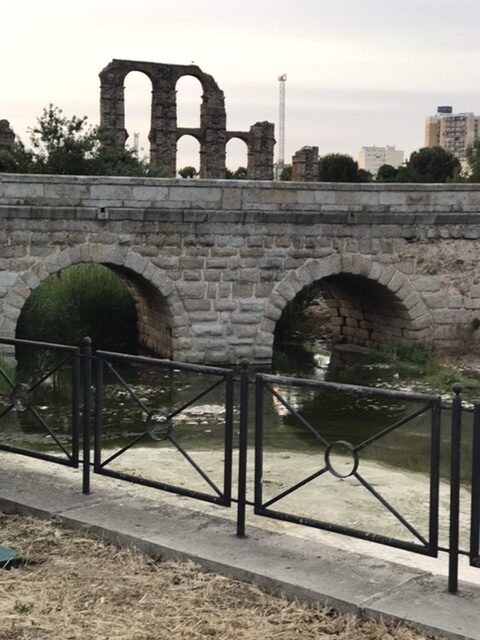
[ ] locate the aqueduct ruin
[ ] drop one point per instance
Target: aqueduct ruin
(164, 133)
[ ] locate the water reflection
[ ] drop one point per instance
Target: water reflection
(335, 416)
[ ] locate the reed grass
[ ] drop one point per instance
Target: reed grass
(82, 300)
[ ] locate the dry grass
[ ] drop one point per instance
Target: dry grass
(77, 586)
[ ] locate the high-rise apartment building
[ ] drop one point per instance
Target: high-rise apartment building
(372, 158)
(451, 131)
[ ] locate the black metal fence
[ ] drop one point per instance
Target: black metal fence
(426, 544)
(24, 397)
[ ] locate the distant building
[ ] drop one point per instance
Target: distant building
(372, 158)
(451, 131)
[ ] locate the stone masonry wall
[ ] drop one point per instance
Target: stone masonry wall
(164, 133)
(212, 264)
(305, 165)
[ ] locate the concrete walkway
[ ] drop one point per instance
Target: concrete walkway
(282, 563)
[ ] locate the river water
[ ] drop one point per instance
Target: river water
(397, 463)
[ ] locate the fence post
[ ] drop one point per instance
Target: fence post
(242, 449)
(456, 439)
(87, 411)
(475, 504)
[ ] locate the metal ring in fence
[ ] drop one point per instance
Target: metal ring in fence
(159, 425)
(354, 459)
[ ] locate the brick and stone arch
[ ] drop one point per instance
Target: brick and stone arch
(261, 140)
(369, 303)
(234, 253)
(162, 323)
(164, 133)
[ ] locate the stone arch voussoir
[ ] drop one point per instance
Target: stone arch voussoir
(355, 264)
(23, 283)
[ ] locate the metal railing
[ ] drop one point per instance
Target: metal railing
(22, 397)
(85, 371)
(160, 424)
(426, 544)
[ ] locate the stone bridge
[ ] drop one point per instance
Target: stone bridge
(212, 264)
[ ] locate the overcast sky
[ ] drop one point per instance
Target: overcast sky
(360, 72)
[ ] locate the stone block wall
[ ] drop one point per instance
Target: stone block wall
(305, 165)
(212, 264)
(164, 133)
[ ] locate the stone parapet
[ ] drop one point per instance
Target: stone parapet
(359, 202)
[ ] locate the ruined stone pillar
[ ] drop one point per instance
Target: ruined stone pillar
(112, 106)
(305, 165)
(213, 124)
(163, 133)
(260, 151)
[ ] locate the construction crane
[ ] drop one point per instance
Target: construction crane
(281, 126)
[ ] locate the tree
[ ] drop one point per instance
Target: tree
(364, 176)
(188, 172)
(15, 158)
(473, 159)
(286, 173)
(387, 173)
(430, 164)
(238, 174)
(62, 145)
(337, 167)
(109, 159)
(71, 146)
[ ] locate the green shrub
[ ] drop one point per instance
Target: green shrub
(83, 300)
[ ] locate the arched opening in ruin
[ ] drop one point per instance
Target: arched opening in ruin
(119, 309)
(342, 309)
(237, 158)
(188, 155)
(189, 99)
(138, 107)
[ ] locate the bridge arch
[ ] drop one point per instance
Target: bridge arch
(163, 323)
(369, 301)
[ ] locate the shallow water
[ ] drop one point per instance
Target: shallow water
(297, 423)
(334, 415)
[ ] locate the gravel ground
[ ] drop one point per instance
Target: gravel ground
(74, 585)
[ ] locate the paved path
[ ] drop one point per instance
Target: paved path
(280, 562)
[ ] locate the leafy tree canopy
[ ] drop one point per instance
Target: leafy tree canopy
(430, 164)
(188, 172)
(337, 167)
(286, 173)
(473, 159)
(387, 173)
(238, 174)
(364, 176)
(70, 146)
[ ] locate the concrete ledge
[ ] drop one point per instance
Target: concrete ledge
(281, 563)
